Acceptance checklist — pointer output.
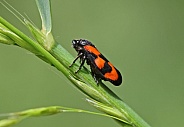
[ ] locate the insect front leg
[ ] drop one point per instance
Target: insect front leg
(83, 59)
(78, 56)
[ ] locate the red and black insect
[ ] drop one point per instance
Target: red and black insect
(101, 68)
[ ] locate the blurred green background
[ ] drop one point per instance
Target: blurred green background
(143, 39)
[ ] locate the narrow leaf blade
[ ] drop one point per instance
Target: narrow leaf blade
(44, 9)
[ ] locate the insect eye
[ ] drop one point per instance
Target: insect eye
(74, 42)
(83, 42)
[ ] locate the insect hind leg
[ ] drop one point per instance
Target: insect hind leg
(96, 76)
(97, 80)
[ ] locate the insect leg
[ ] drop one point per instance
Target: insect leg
(82, 63)
(78, 56)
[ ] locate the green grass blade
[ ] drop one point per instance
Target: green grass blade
(44, 9)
